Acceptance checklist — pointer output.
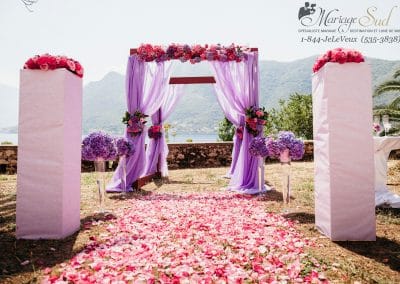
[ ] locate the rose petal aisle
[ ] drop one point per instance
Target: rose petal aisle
(193, 238)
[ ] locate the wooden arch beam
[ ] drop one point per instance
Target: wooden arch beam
(192, 80)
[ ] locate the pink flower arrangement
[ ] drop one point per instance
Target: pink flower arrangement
(338, 55)
(135, 122)
(50, 62)
(155, 132)
(239, 132)
(194, 54)
(255, 117)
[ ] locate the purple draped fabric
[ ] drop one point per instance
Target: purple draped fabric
(146, 87)
(157, 150)
(237, 89)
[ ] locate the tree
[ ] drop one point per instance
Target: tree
(226, 130)
(393, 108)
(390, 86)
(294, 114)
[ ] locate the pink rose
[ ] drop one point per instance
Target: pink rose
(71, 65)
(44, 67)
(259, 113)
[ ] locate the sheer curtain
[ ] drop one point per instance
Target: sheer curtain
(146, 86)
(237, 89)
(157, 151)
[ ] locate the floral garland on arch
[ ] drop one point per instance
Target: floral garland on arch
(255, 117)
(50, 62)
(155, 132)
(135, 122)
(194, 54)
(338, 55)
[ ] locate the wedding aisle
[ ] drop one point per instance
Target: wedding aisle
(192, 238)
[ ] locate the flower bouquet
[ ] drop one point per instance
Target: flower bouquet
(285, 147)
(125, 148)
(50, 62)
(99, 147)
(155, 132)
(255, 119)
(135, 123)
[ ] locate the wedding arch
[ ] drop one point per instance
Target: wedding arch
(152, 92)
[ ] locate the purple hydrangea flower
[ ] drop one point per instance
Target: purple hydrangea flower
(297, 150)
(98, 146)
(285, 140)
(258, 147)
(272, 147)
(125, 147)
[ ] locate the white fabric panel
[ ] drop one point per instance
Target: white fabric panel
(383, 146)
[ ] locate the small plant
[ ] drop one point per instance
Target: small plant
(6, 143)
(189, 140)
(226, 130)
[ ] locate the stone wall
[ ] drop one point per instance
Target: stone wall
(181, 155)
(8, 159)
(199, 155)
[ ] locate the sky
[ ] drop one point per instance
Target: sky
(99, 33)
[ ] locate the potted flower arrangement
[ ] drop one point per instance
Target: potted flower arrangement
(285, 147)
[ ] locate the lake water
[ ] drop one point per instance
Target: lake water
(177, 139)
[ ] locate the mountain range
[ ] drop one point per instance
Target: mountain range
(198, 111)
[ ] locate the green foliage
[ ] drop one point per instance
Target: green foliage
(389, 85)
(189, 140)
(294, 114)
(226, 130)
(6, 143)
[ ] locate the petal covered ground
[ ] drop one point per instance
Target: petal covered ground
(193, 238)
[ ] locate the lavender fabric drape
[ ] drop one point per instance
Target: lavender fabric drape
(157, 151)
(237, 89)
(146, 87)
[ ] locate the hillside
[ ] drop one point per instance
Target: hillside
(198, 111)
(8, 106)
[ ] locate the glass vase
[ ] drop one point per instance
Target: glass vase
(100, 169)
(260, 173)
(285, 170)
(122, 161)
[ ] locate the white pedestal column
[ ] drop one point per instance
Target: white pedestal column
(343, 152)
(49, 154)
